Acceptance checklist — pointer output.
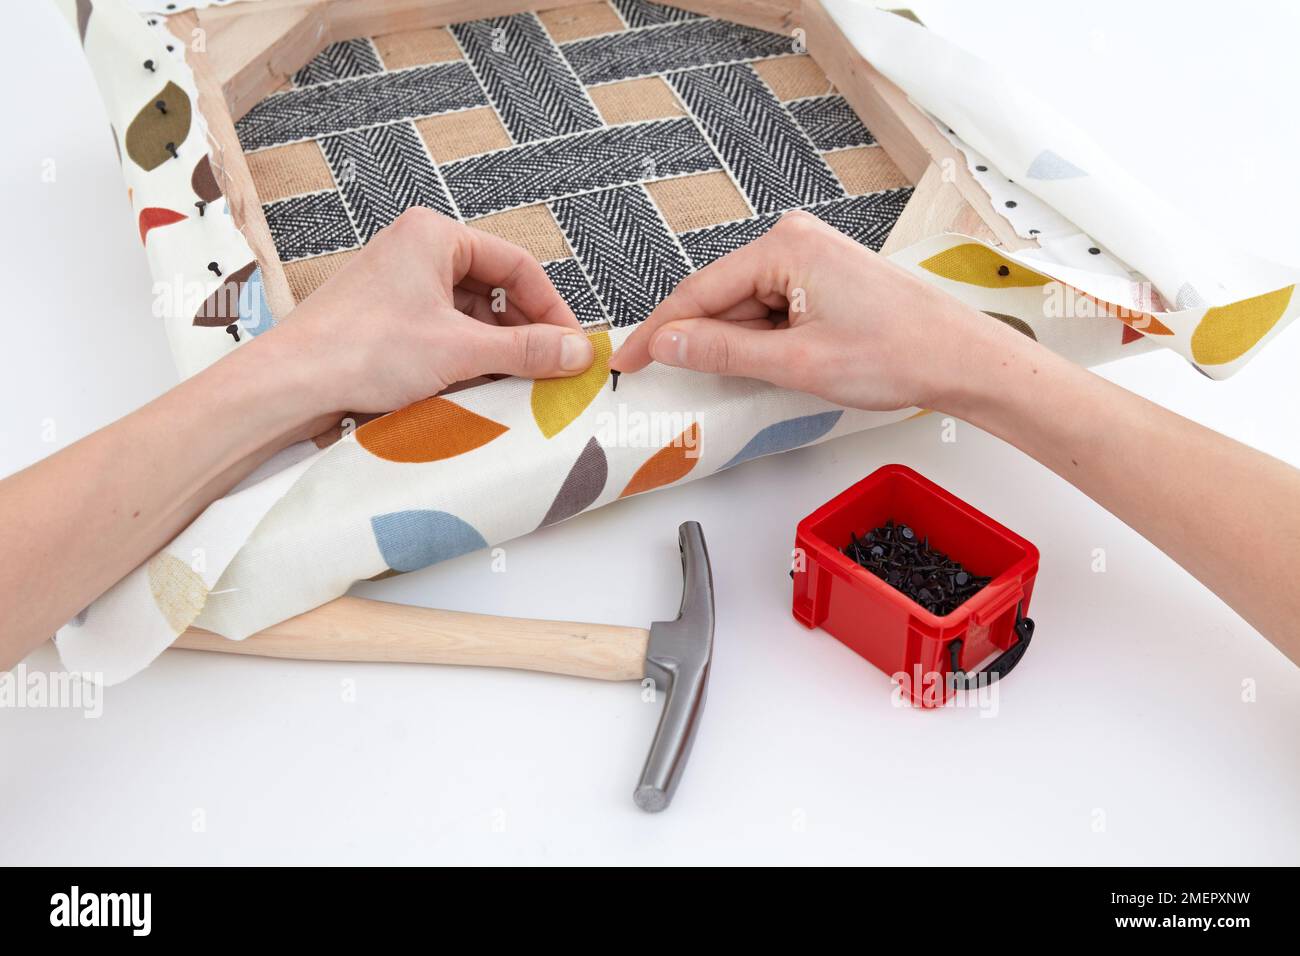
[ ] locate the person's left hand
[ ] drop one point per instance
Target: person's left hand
(427, 303)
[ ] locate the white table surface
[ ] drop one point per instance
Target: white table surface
(1128, 710)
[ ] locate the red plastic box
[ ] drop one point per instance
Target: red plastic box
(887, 627)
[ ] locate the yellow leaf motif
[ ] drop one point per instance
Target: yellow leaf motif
(1230, 331)
(976, 264)
(177, 589)
(558, 401)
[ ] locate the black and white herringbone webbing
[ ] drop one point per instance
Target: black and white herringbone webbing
(339, 61)
(639, 13)
(589, 175)
(383, 171)
(632, 257)
(310, 225)
(771, 157)
(570, 281)
(674, 46)
(611, 156)
(362, 101)
(865, 219)
(830, 122)
(534, 92)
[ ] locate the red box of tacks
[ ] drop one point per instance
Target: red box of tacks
(918, 582)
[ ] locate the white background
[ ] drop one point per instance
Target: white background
(1128, 708)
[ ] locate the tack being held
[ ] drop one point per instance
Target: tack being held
(75, 908)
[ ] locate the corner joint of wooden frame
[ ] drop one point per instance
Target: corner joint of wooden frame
(946, 193)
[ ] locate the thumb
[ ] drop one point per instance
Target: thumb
(725, 348)
(529, 351)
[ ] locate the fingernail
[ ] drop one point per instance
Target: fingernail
(669, 347)
(575, 352)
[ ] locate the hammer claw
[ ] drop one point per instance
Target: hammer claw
(677, 660)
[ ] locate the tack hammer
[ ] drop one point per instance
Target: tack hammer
(675, 654)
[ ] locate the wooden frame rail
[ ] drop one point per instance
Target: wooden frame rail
(240, 53)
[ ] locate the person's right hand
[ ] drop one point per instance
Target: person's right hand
(805, 307)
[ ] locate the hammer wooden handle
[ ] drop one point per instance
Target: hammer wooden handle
(357, 629)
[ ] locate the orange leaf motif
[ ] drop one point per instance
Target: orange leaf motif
(1143, 322)
(670, 463)
(151, 217)
(427, 431)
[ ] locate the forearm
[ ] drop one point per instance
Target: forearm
(83, 518)
(867, 333)
(1225, 512)
(414, 312)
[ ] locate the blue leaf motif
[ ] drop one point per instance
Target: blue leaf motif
(254, 311)
(785, 435)
(410, 540)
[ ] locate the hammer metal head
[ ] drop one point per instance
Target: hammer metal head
(677, 659)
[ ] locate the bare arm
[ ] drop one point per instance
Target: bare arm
(409, 317)
(858, 342)
(81, 519)
(1224, 511)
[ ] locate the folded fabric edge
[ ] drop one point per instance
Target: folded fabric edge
(185, 221)
(1239, 301)
(177, 581)
(112, 640)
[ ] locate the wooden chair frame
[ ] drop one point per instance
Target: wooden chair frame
(243, 52)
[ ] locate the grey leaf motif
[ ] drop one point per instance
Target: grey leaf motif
(583, 486)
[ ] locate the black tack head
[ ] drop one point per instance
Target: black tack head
(893, 553)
